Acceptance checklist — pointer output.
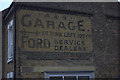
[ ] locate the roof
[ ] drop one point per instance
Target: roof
(110, 9)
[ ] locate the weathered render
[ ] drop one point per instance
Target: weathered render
(36, 52)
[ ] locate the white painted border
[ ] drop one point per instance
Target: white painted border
(58, 74)
(10, 26)
(10, 75)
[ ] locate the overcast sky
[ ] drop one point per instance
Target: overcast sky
(5, 4)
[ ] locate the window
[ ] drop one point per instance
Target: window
(10, 75)
(10, 41)
(77, 75)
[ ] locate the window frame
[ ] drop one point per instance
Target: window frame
(10, 41)
(75, 73)
(9, 75)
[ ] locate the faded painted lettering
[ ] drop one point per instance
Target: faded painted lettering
(54, 32)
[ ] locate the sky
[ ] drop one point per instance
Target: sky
(6, 3)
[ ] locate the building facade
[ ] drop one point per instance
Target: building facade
(60, 41)
(1, 46)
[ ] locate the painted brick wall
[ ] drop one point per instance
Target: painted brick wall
(103, 60)
(6, 67)
(0, 45)
(104, 57)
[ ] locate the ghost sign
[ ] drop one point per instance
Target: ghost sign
(53, 32)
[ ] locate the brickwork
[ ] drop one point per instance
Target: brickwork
(103, 59)
(0, 45)
(7, 67)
